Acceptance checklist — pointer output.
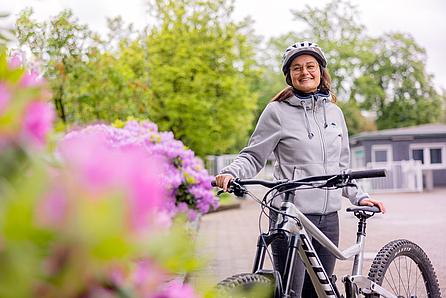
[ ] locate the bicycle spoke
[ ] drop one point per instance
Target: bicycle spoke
(393, 289)
(393, 280)
(408, 277)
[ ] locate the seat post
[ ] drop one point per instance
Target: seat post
(360, 239)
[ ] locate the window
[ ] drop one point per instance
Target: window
(418, 154)
(380, 156)
(382, 153)
(435, 156)
(430, 155)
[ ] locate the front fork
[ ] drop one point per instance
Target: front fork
(264, 240)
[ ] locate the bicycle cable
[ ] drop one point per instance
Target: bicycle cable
(276, 273)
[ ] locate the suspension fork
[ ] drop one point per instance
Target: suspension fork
(264, 240)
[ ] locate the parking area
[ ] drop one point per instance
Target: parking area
(228, 239)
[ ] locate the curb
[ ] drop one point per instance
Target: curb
(235, 205)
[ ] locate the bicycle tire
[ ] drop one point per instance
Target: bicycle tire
(399, 256)
(246, 285)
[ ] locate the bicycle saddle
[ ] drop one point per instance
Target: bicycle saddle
(372, 209)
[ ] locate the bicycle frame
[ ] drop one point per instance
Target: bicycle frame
(292, 223)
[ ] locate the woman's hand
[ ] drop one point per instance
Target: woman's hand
(222, 180)
(371, 202)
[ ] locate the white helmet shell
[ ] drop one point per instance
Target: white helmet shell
(302, 48)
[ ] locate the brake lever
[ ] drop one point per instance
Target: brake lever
(237, 189)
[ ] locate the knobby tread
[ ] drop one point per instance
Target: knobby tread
(243, 281)
(407, 248)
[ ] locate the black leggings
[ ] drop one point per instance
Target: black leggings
(301, 284)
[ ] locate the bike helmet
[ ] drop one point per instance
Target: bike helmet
(301, 48)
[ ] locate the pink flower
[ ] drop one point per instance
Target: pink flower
(4, 97)
(176, 289)
(38, 121)
(102, 169)
(53, 209)
(31, 78)
(15, 61)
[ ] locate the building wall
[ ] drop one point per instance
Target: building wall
(401, 151)
(439, 177)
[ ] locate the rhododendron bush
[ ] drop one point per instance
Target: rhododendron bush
(186, 183)
(94, 220)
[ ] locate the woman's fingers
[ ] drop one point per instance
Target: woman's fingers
(370, 202)
(223, 181)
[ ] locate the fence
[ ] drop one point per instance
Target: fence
(402, 176)
(215, 164)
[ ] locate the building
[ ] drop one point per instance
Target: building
(418, 153)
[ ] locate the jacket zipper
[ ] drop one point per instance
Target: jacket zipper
(323, 152)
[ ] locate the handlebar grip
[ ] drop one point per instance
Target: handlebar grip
(368, 174)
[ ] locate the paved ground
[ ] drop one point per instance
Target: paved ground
(229, 238)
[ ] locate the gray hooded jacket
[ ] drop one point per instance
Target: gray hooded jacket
(308, 137)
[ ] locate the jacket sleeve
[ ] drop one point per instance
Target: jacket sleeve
(262, 143)
(354, 194)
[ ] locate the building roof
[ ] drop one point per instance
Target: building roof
(404, 133)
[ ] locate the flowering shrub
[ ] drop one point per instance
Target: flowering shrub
(187, 184)
(25, 115)
(91, 225)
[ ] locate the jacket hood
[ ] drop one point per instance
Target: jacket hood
(309, 101)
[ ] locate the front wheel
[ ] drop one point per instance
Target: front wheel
(246, 285)
(404, 269)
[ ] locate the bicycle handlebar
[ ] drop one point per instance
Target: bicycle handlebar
(331, 180)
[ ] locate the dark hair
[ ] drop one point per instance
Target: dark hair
(325, 86)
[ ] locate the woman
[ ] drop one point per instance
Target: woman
(307, 133)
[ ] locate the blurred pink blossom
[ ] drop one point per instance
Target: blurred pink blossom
(15, 61)
(4, 97)
(53, 208)
(38, 120)
(176, 289)
(31, 78)
(101, 169)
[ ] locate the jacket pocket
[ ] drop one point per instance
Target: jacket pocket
(333, 139)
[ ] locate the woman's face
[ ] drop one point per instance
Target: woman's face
(305, 73)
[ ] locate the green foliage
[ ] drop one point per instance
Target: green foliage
(109, 86)
(395, 84)
(201, 70)
(59, 44)
(193, 72)
(6, 32)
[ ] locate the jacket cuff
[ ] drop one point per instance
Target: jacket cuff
(362, 197)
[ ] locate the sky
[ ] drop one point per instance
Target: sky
(425, 20)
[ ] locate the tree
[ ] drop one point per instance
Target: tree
(59, 44)
(6, 32)
(395, 84)
(201, 69)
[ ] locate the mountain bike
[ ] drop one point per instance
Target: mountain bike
(400, 269)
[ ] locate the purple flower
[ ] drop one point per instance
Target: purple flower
(179, 172)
